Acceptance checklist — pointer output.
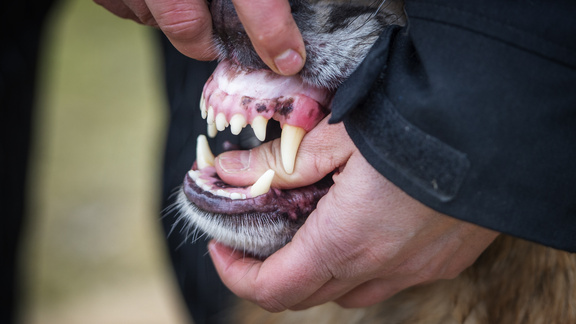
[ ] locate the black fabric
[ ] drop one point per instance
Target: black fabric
(471, 109)
(204, 294)
(20, 38)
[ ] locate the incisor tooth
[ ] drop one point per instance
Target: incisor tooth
(212, 131)
(259, 126)
(237, 122)
(262, 185)
(236, 195)
(204, 156)
(210, 116)
(222, 193)
(289, 143)
(221, 122)
(203, 107)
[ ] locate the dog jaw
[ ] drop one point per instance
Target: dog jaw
(243, 91)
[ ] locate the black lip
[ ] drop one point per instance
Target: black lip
(294, 204)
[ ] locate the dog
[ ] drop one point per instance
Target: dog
(513, 281)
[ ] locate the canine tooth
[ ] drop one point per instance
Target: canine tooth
(203, 107)
(221, 122)
(289, 143)
(204, 156)
(212, 131)
(237, 122)
(259, 126)
(210, 116)
(262, 185)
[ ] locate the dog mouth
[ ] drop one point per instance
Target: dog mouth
(236, 97)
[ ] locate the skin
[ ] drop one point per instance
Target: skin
(367, 240)
(188, 26)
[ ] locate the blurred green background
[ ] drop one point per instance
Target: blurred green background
(94, 251)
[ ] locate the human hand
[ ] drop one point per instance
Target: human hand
(366, 241)
(188, 26)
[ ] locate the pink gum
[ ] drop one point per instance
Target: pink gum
(231, 90)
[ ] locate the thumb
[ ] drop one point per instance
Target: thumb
(323, 150)
(187, 24)
(274, 34)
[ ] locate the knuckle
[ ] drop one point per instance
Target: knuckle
(147, 19)
(182, 23)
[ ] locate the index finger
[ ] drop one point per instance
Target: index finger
(274, 33)
(187, 24)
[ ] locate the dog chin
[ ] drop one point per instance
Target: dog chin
(258, 225)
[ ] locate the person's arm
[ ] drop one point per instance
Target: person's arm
(366, 241)
(470, 117)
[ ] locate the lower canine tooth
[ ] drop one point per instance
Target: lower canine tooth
(259, 126)
(221, 122)
(289, 143)
(204, 156)
(237, 122)
(262, 185)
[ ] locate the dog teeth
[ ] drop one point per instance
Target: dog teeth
(262, 185)
(212, 131)
(194, 175)
(259, 124)
(290, 139)
(237, 123)
(203, 109)
(210, 116)
(204, 156)
(237, 195)
(221, 122)
(222, 193)
(289, 143)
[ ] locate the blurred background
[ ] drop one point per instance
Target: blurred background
(93, 249)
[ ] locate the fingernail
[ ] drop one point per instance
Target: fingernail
(234, 161)
(289, 62)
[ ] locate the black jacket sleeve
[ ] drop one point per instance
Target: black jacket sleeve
(471, 109)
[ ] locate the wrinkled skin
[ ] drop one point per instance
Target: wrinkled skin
(366, 241)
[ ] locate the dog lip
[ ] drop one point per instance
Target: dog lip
(293, 204)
